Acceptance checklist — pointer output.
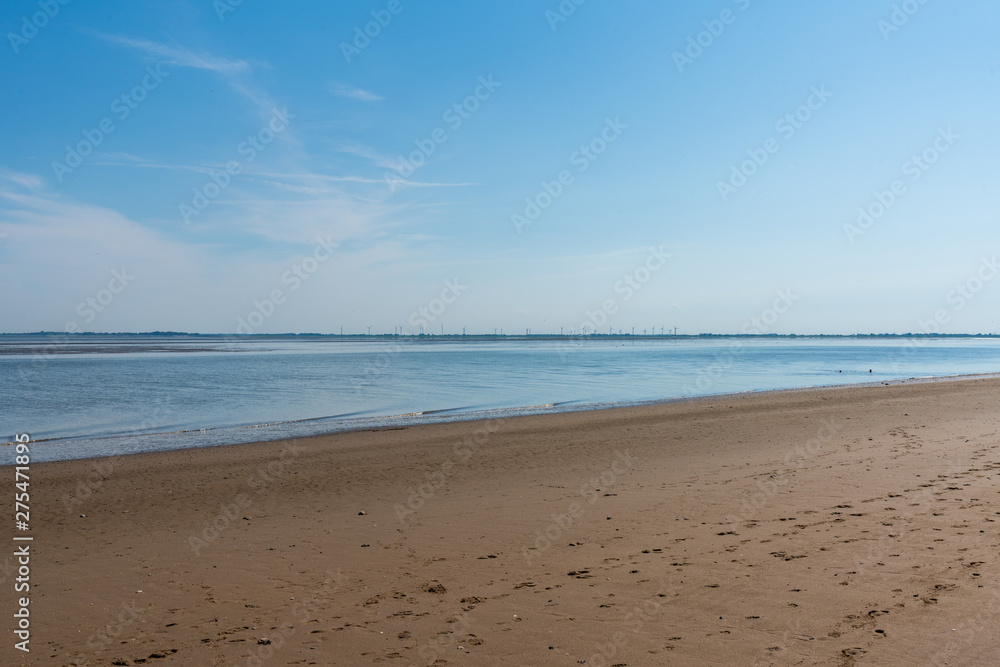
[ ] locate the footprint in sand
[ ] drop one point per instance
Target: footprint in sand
(152, 656)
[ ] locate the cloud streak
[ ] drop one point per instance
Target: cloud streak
(235, 72)
(345, 90)
(179, 56)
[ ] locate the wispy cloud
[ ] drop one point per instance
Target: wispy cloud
(324, 177)
(368, 153)
(122, 155)
(179, 56)
(345, 90)
(236, 73)
(27, 181)
(120, 159)
(425, 184)
(359, 179)
(385, 162)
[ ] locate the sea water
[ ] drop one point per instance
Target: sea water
(104, 395)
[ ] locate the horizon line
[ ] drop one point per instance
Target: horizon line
(506, 335)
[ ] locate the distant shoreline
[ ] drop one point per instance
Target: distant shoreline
(180, 335)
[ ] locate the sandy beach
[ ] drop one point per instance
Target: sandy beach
(843, 526)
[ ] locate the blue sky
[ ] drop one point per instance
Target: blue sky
(739, 138)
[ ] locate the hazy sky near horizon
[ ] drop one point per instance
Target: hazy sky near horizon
(298, 167)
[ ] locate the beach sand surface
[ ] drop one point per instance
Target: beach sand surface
(841, 526)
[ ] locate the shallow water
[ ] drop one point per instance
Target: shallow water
(115, 394)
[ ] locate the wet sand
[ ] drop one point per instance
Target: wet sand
(846, 526)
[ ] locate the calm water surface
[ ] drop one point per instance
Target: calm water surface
(109, 395)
